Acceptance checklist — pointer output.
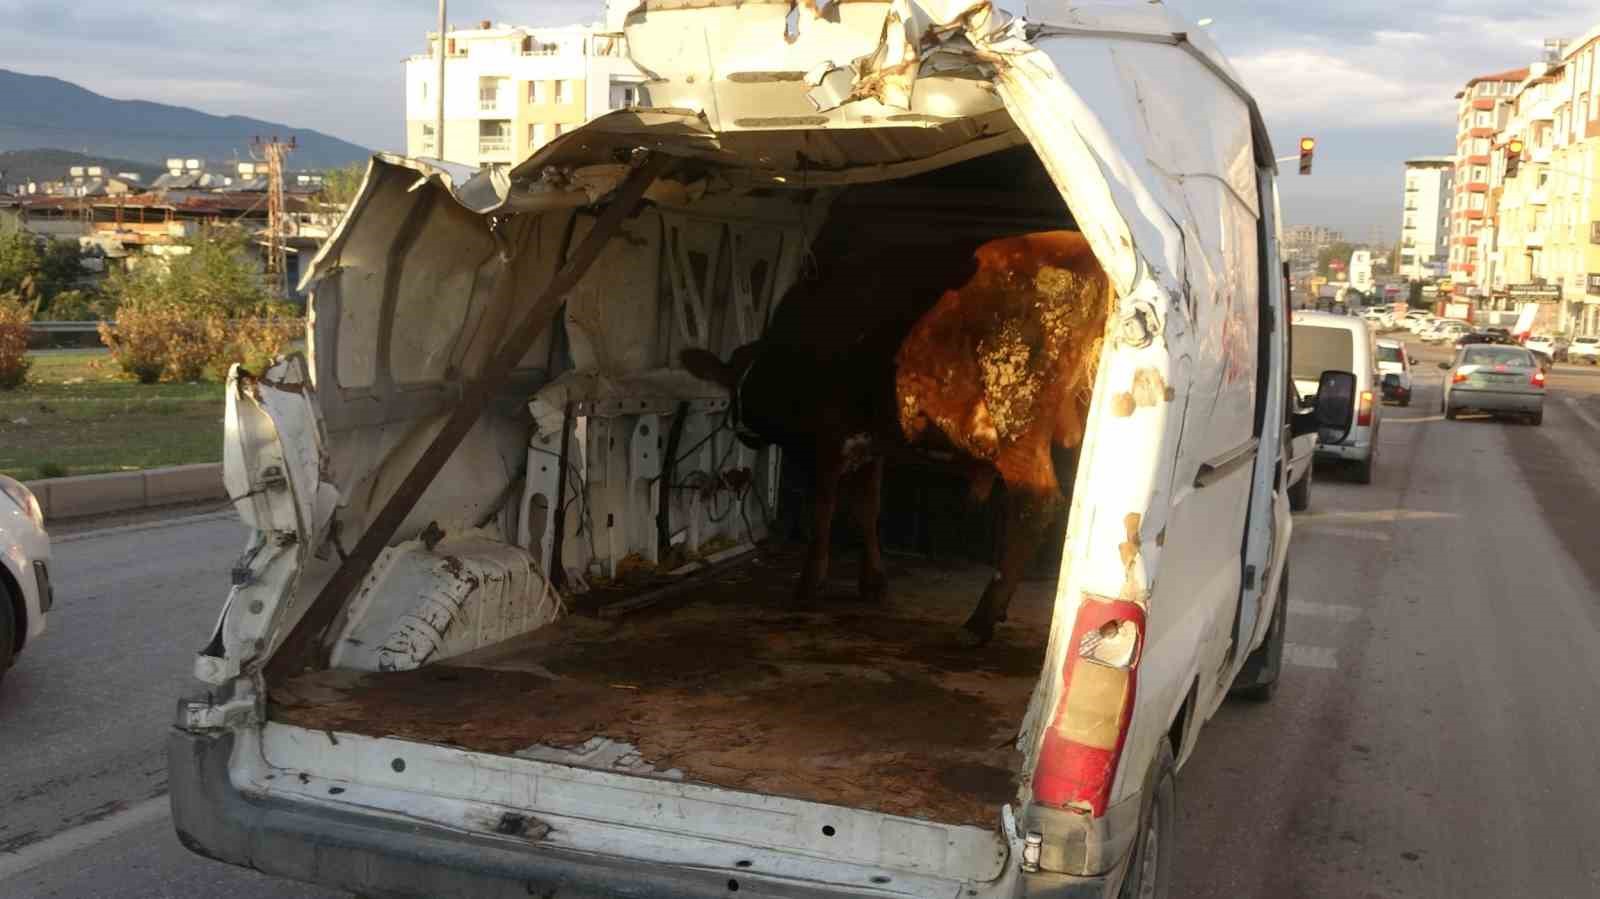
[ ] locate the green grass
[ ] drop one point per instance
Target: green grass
(84, 416)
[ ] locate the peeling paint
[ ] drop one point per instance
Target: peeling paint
(1130, 548)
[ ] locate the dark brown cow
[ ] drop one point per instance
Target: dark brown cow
(984, 351)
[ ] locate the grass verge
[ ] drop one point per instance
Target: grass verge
(79, 414)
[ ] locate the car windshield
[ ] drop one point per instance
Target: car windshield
(1389, 354)
(1587, 340)
(1497, 355)
(1318, 349)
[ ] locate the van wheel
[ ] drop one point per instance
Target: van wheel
(8, 632)
(1537, 418)
(1364, 471)
(1150, 870)
(1450, 413)
(1300, 493)
(1257, 681)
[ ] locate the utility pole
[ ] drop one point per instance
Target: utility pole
(277, 220)
(438, 118)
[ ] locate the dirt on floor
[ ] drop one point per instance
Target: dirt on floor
(868, 706)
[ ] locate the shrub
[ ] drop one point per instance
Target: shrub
(153, 341)
(14, 319)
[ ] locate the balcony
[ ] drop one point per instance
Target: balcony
(1478, 159)
(488, 104)
(1473, 214)
(492, 146)
(1470, 240)
(1533, 239)
(1483, 103)
(1412, 188)
(1477, 187)
(1481, 132)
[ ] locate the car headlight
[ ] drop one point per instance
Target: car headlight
(24, 499)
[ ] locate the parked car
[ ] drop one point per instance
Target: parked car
(1379, 317)
(1584, 349)
(1446, 331)
(1472, 338)
(1394, 371)
(1549, 344)
(1320, 341)
(1499, 380)
(519, 441)
(1416, 320)
(25, 592)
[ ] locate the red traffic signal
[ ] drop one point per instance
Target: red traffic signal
(1513, 158)
(1308, 146)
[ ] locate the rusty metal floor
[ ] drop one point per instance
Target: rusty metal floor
(855, 704)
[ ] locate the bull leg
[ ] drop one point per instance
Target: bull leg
(874, 583)
(830, 469)
(1029, 514)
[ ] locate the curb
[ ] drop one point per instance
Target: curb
(101, 494)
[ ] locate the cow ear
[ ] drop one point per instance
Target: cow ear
(705, 365)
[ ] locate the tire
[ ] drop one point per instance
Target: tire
(1257, 681)
(1364, 470)
(8, 632)
(1537, 418)
(1450, 413)
(1300, 493)
(1150, 870)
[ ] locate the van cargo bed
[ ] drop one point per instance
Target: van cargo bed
(866, 706)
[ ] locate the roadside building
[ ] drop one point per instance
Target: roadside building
(1425, 220)
(510, 89)
(1483, 110)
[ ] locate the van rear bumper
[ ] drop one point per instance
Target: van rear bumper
(375, 856)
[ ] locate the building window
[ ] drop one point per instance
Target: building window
(533, 92)
(629, 98)
(494, 136)
(488, 94)
(427, 139)
(424, 91)
(557, 130)
(563, 92)
(535, 136)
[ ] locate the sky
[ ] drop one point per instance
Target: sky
(1372, 80)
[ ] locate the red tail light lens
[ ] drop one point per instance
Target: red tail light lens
(1083, 744)
(1457, 378)
(1538, 378)
(1364, 418)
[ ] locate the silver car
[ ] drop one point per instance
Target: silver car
(1499, 380)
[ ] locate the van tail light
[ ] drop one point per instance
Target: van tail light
(1083, 744)
(1538, 378)
(1458, 378)
(1364, 417)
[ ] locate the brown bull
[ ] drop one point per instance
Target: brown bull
(984, 352)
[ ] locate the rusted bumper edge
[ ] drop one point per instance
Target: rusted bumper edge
(377, 857)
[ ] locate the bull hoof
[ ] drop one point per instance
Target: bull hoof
(874, 589)
(976, 634)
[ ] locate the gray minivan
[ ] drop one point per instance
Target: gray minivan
(1320, 342)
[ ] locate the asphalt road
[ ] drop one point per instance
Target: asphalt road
(1435, 734)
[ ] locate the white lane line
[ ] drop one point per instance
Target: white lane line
(1330, 611)
(1302, 656)
(73, 841)
(1323, 530)
(97, 533)
(1578, 411)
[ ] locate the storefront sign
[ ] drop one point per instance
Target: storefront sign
(1535, 293)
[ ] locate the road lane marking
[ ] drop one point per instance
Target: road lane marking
(1302, 656)
(70, 842)
(1330, 611)
(1353, 533)
(98, 533)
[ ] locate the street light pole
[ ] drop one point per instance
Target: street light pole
(438, 119)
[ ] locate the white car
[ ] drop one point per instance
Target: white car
(25, 594)
(1394, 360)
(1542, 343)
(1378, 317)
(1446, 331)
(1417, 322)
(1319, 342)
(1584, 349)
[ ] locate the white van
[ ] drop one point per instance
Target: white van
(1320, 341)
(512, 620)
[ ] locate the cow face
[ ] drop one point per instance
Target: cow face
(707, 367)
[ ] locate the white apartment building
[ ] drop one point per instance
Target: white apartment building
(1425, 220)
(510, 89)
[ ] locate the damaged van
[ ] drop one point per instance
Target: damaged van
(516, 616)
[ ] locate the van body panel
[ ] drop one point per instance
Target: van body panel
(1173, 509)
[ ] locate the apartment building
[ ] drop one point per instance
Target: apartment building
(1483, 110)
(1425, 220)
(510, 89)
(1547, 235)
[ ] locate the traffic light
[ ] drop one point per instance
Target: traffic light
(1308, 145)
(1513, 158)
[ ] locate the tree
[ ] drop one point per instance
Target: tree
(19, 264)
(212, 274)
(1335, 252)
(340, 186)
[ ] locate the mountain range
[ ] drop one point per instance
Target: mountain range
(42, 112)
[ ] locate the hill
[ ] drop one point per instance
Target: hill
(18, 166)
(37, 111)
